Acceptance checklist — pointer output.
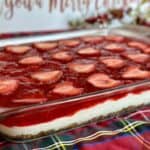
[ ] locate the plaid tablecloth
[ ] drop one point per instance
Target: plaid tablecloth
(131, 132)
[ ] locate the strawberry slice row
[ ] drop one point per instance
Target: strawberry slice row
(139, 58)
(8, 86)
(102, 81)
(114, 47)
(135, 72)
(67, 88)
(79, 67)
(48, 77)
(45, 46)
(33, 60)
(115, 38)
(139, 45)
(92, 39)
(62, 56)
(18, 49)
(113, 63)
(70, 43)
(89, 52)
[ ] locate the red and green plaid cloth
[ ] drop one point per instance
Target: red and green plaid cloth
(131, 132)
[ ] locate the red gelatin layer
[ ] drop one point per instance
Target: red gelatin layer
(46, 72)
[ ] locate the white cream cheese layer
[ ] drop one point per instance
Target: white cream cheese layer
(102, 109)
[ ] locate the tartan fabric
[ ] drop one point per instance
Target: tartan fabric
(131, 132)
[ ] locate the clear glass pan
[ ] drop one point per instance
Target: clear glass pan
(83, 98)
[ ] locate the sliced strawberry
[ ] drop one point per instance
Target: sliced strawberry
(92, 39)
(30, 100)
(70, 43)
(113, 62)
(67, 88)
(82, 67)
(89, 51)
(18, 49)
(139, 45)
(115, 38)
(139, 58)
(45, 46)
(135, 73)
(8, 86)
(33, 60)
(102, 81)
(62, 56)
(50, 76)
(146, 50)
(114, 47)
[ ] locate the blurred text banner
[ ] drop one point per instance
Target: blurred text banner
(42, 15)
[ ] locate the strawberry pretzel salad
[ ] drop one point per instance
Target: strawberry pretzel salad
(50, 72)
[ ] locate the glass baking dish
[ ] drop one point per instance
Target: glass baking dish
(58, 107)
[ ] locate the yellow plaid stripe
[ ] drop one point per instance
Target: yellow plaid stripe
(135, 133)
(128, 128)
